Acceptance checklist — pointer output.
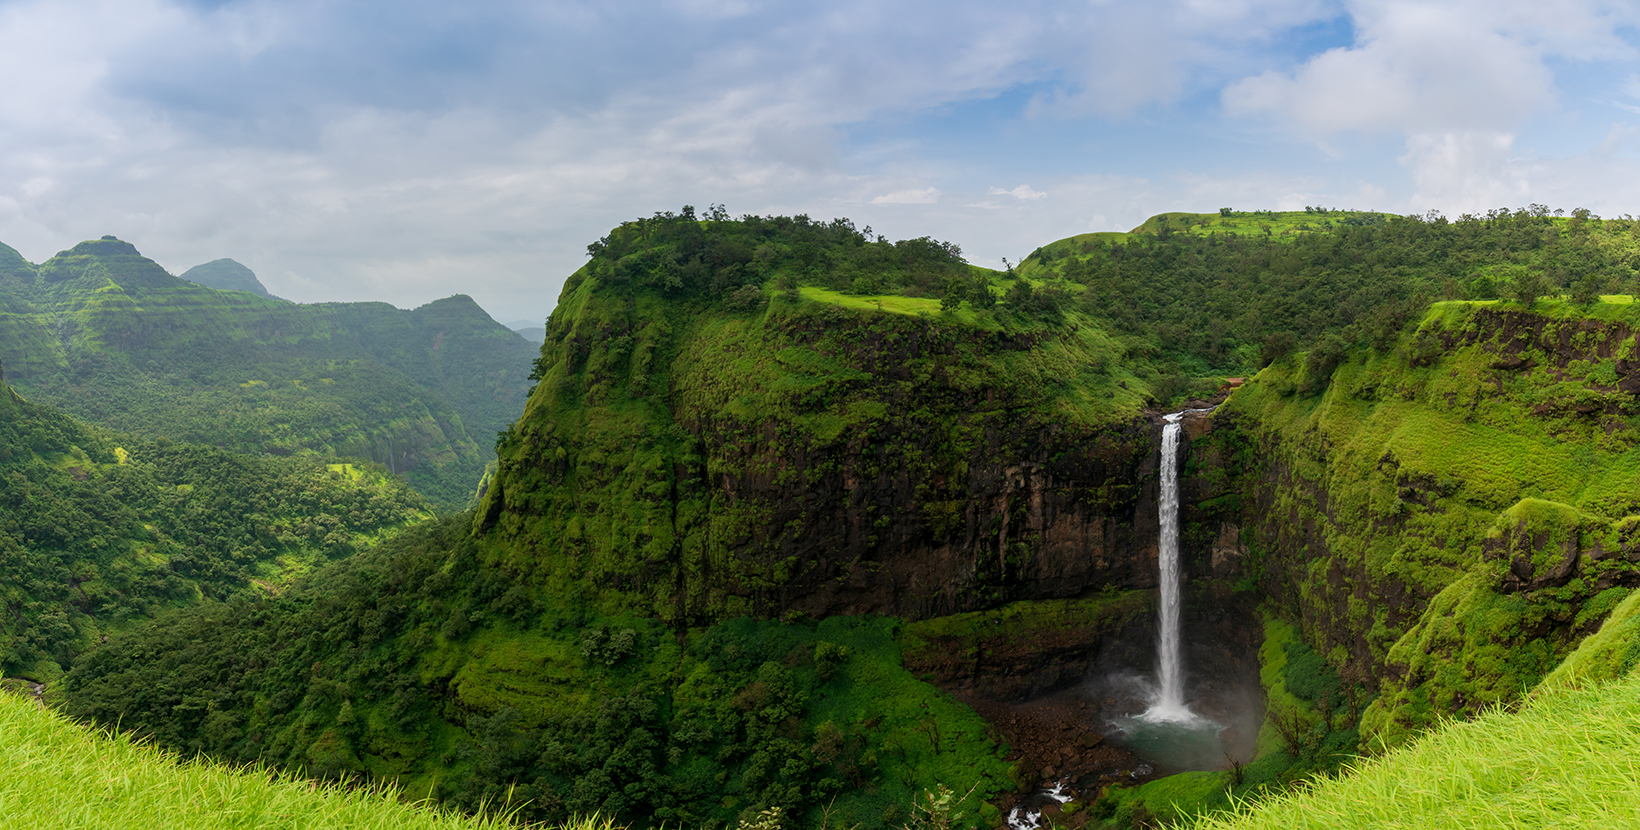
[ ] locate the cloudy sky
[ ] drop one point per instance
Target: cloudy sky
(410, 150)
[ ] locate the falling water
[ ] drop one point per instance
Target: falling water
(1169, 702)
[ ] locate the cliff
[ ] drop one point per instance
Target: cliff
(705, 463)
(1449, 519)
(751, 440)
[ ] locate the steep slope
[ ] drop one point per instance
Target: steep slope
(226, 275)
(100, 531)
(107, 335)
(694, 452)
(61, 774)
(694, 458)
(1450, 518)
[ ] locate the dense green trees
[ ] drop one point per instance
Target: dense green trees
(685, 256)
(100, 531)
(360, 670)
(1212, 301)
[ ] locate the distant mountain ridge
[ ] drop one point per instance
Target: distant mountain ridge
(226, 275)
(533, 331)
(109, 336)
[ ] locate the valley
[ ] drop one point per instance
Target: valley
(788, 520)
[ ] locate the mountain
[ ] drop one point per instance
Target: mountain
(226, 275)
(107, 335)
(529, 330)
(103, 531)
(798, 519)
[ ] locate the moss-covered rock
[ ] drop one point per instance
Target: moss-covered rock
(1445, 517)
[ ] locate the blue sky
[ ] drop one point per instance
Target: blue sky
(407, 151)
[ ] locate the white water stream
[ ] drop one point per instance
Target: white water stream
(1168, 705)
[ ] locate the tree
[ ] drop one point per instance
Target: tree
(1586, 290)
(1277, 347)
(979, 295)
(1528, 288)
(1482, 287)
(747, 297)
(1018, 297)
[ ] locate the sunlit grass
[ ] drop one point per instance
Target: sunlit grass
(1565, 760)
(56, 774)
(893, 303)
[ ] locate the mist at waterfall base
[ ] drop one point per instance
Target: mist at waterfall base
(1169, 732)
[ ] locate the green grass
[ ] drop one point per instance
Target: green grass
(54, 773)
(1604, 655)
(1564, 760)
(892, 303)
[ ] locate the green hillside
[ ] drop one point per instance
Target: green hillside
(108, 336)
(1563, 759)
(768, 461)
(1470, 493)
(99, 532)
(59, 774)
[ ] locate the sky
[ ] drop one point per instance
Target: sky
(411, 150)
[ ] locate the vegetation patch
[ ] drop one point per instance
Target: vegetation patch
(60, 774)
(1564, 758)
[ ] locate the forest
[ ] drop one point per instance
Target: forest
(102, 531)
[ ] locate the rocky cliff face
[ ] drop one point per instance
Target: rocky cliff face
(1448, 520)
(810, 459)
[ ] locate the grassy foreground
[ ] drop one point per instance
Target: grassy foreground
(56, 774)
(1570, 759)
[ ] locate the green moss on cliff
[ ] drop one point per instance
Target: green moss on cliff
(978, 637)
(1606, 655)
(1445, 515)
(688, 455)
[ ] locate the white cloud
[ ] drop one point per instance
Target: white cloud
(924, 196)
(1457, 80)
(1461, 172)
(1414, 67)
(1434, 65)
(345, 153)
(1024, 191)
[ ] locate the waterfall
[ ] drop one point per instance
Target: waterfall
(1168, 704)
